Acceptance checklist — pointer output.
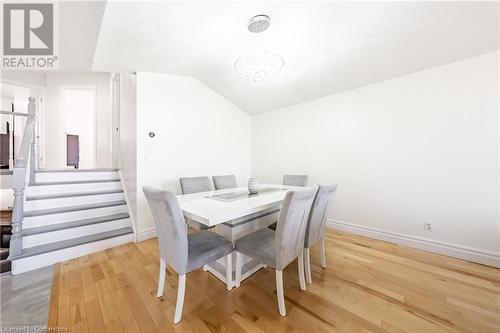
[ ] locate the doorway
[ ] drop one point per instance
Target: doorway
(78, 121)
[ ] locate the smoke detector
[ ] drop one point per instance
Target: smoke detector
(259, 23)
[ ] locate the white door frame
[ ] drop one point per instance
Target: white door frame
(115, 103)
(62, 120)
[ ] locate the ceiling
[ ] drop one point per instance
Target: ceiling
(328, 47)
(79, 25)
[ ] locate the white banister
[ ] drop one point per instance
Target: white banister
(25, 158)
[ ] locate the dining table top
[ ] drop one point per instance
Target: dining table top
(214, 207)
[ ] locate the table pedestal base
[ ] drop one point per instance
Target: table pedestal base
(233, 231)
(219, 270)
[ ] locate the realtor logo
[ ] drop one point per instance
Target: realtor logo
(28, 36)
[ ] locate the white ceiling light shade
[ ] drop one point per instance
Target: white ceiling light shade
(258, 64)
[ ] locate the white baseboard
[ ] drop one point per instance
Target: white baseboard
(145, 234)
(447, 249)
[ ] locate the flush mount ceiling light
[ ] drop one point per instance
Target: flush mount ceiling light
(259, 23)
(258, 64)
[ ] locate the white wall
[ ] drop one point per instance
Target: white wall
(423, 147)
(127, 161)
(54, 153)
(198, 133)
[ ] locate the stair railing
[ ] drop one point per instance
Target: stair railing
(24, 172)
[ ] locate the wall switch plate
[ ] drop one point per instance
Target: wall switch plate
(427, 226)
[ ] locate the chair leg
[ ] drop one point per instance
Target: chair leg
(181, 289)
(323, 254)
(229, 272)
(161, 278)
(279, 293)
(238, 270)
(307, 265)
(302, 279)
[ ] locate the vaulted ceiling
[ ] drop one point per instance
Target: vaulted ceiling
(328, 47)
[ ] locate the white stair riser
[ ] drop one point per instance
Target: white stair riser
(50, 258)
(71, 201)
(50, 219)
(60, 235)
(72, 188)
(71, 176)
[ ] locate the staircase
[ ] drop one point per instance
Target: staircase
(71, 213)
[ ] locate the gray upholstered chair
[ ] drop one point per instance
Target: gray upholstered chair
(278, 249)
(295, 180)
(292, 180)
(183, 252)
(195, 184)
(315, 231)
(222, 182)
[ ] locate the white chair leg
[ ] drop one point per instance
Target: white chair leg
(323, 254)
(229, 272)
(181, 289)
(238, 270)
(279, 293)
(161, 278)
(302, 279)
(307, 265)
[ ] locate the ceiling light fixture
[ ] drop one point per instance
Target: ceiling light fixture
(259, 23)
(258, 64)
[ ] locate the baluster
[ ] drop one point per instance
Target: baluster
(32, 112)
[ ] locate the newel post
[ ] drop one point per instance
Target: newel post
(19, 180)
(16, 240)
(33, 159)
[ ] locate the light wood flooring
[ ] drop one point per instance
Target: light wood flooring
(368, 286)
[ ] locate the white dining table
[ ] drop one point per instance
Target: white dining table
(234, 213)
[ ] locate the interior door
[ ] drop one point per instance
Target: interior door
(72, 151)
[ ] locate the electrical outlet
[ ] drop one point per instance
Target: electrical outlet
(427, 226)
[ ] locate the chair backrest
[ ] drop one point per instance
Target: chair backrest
(170, 225)
(295, 180)
(291, 228)
(221, 182)
(195, 184)
(315, 229)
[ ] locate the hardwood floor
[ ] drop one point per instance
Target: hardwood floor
(5, 217)
(368, 286)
